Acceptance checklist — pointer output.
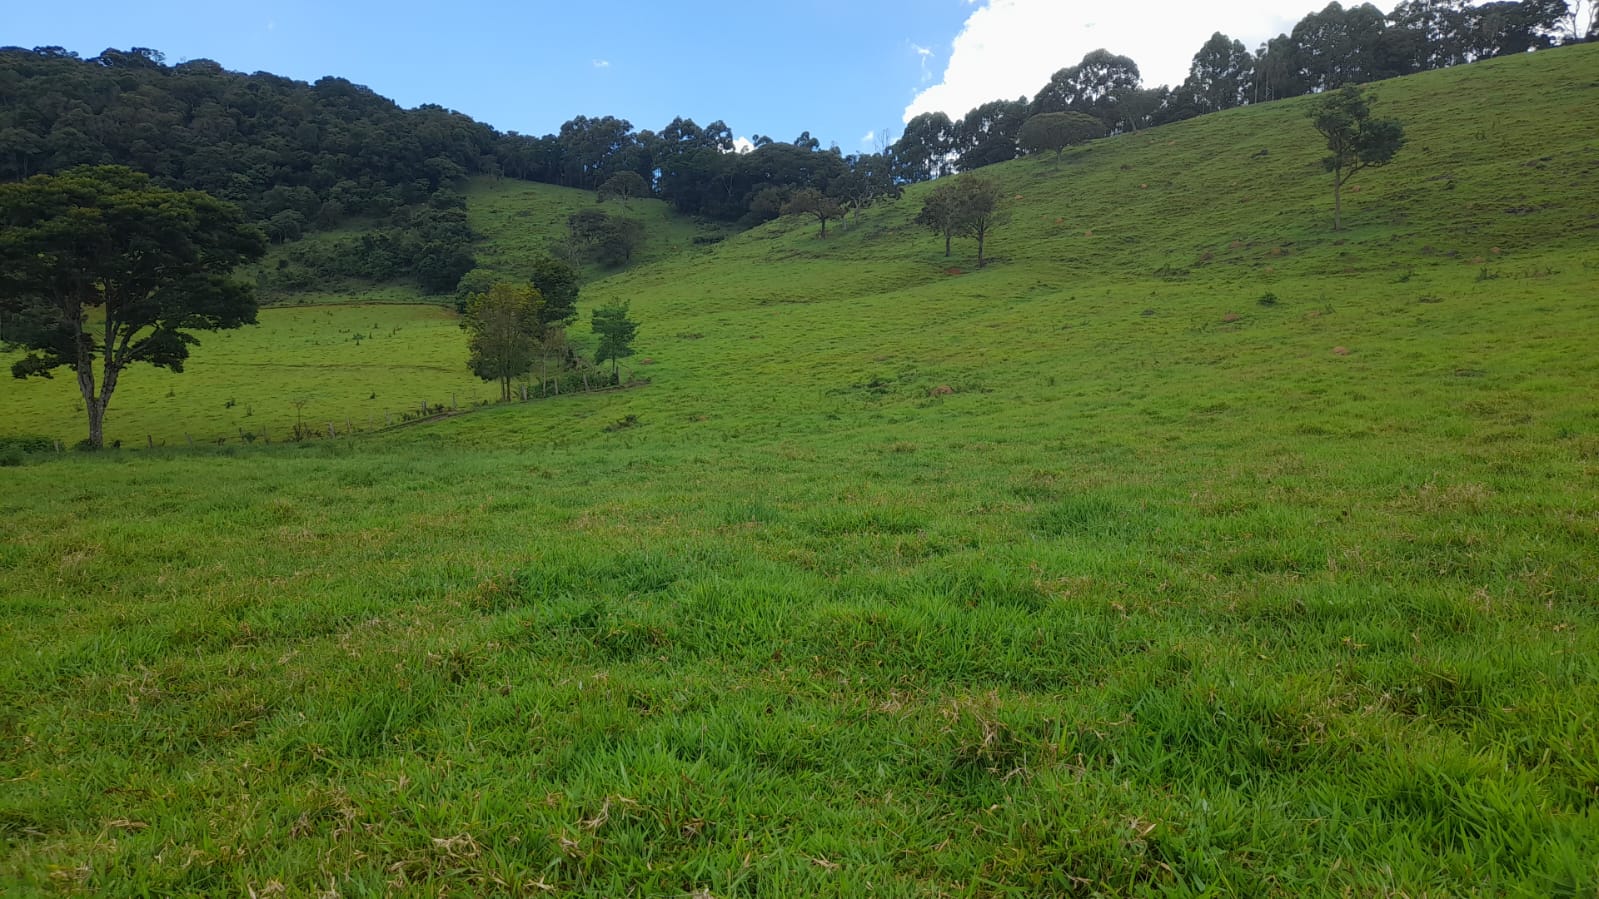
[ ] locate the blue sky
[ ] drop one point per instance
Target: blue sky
(841, 69)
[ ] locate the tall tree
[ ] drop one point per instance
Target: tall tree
(1219, 76)
(1058, 130)
(97, 265)
(1355, 140)
(924, 150)
(616, 332)
(1090, 87)
(987, 135)
(504, 332)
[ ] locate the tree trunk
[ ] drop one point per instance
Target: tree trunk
(981, 262)
(948, 237)
(96, 423)
(1338, 201)
(824, 228)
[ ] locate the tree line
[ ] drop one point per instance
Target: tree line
(1324, 51)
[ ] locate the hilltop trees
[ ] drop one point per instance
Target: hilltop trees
(503, 332)
(98, 265)
(1057, 131)
(1355, 141)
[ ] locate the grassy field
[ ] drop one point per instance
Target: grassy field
(520, 219)
(357, 366)
(1189, 549)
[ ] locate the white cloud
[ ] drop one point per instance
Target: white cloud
(924, 55)
(867, 138)
(602, 63)
(743, 145)
(1008, 48)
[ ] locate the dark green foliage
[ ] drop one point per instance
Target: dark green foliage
(503, 330)
(968, 205)
(1058, 130)
(1219, 76)
(1355, 140)
(98, 265)
(431, 247)
(623, 186)
(812, 202)
(988, 134)
(924, 150)
(1091, 87)
(266, 143)
(606, 240)
(557, 283)
(616, 333)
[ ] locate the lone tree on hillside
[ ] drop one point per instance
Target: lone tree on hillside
(816, 204)
(1355, 140)
(622, 186)
(505, 332)
(154, 263)
(941, 213)
(1057, 131)
(978, 204)
(616, 332)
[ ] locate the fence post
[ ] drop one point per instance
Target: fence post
(188, 438)
(149, 441)
(348, 428)
(331, 432)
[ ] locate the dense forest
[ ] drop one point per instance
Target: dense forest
(299, 157)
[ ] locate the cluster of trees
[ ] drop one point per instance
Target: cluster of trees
(510, 327)
(1324, 51)
(967, 207)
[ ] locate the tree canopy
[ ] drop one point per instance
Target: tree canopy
(1058, 130)
(616, 333)
(99, 265)
(504, 332)
(1355, 140)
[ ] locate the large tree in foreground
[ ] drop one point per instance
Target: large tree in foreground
(99, 266)
(504, 332)
(1355, 140)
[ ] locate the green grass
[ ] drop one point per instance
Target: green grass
(1162, 596)
(519, 220)
(357, 366)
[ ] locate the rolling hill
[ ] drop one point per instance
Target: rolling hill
(1187, 549)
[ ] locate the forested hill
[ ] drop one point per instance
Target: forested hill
(293, 155)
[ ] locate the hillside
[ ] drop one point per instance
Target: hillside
(1188, 549)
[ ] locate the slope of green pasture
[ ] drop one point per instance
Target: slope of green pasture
(1099, 572)
(520, 219)
(358, 366)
